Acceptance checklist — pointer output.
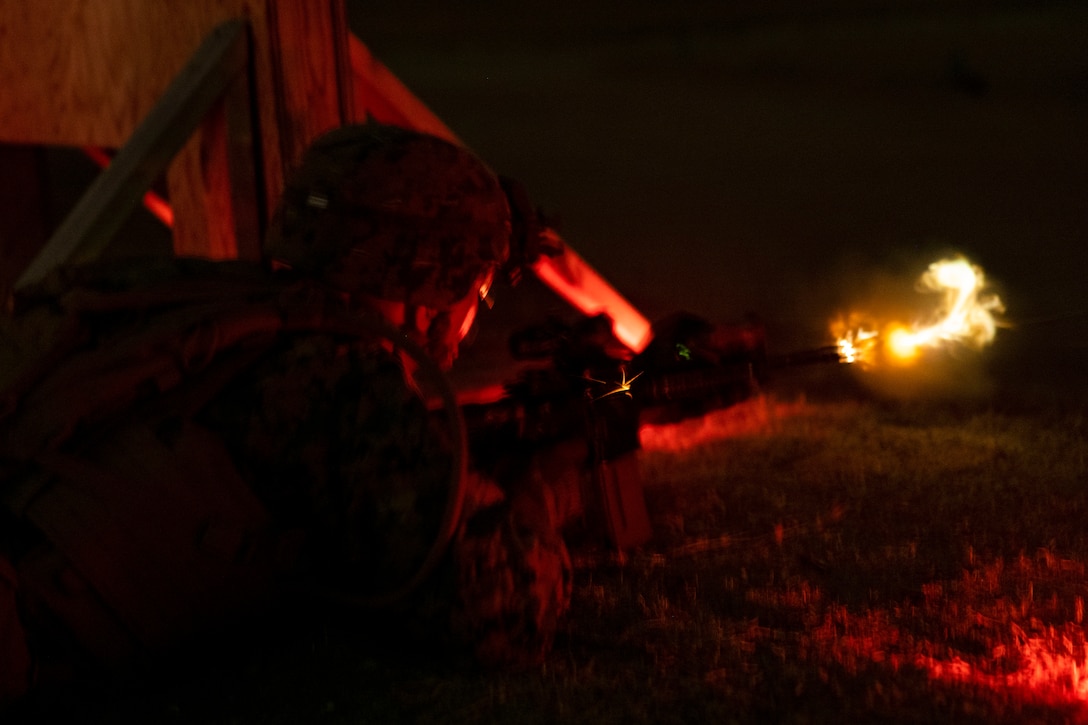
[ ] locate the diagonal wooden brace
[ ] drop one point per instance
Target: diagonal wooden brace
(213, 70)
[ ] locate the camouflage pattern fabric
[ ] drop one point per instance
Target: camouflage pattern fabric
(394, 214)
(335, 442)
(328, 432)
(514, 584)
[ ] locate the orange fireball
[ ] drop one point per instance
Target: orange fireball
(965, 315)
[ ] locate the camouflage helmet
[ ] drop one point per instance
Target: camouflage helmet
(395, 214)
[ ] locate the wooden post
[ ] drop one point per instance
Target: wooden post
(300, 63)
(312, 70)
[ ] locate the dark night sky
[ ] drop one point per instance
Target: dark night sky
(749, 158)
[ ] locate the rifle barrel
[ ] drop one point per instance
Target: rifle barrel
(689, 385)
(813, 356)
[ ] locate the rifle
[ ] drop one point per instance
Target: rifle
(585, 389)
(596, 381)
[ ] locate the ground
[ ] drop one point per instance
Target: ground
(814, 560)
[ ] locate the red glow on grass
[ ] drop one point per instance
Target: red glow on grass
(1050, 669)
(751, 417)
(992, 631)
(1006, 635)
(1046, 669)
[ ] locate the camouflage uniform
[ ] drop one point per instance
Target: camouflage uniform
(382, 213)
(368, 214)
(204, 436)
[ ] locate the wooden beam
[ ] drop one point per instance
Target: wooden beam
(379, 95)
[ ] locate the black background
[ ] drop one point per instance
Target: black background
(728, 158)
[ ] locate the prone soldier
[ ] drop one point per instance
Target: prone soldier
(199, 439)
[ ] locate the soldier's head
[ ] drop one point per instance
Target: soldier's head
(406, 223)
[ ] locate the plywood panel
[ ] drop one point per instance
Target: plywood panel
(84, 72)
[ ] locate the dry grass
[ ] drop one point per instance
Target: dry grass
(815, 562)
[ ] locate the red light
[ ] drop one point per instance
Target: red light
(579, 284)
(154, 203)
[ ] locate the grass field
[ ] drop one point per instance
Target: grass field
(842, 559)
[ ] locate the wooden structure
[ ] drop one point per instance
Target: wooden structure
(110, 73)
(87, 73)
(224, 96)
